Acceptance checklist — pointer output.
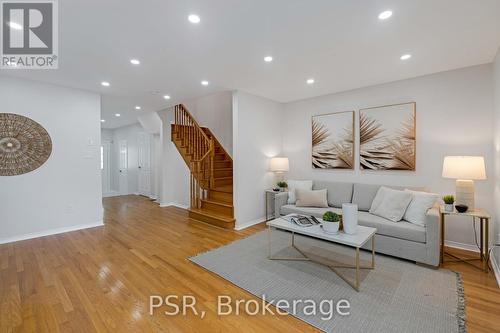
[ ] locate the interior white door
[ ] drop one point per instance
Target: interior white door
(106, 167)
(144, 153)
(123, 167)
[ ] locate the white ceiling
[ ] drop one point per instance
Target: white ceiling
(342, 44)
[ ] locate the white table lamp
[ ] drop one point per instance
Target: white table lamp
(465, 169)
(279, 164)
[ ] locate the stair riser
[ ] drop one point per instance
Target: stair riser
(221, 197)
(223, 210)
(223, 173)
(220, 157)
(222, 164)
(211, 220)
(222, 182)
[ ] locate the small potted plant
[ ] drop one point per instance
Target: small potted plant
(282, 186)
(331, 222)
(448, 202)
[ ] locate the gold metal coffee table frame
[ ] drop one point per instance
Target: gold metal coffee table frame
(354, 284)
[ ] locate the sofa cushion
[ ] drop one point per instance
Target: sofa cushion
(419, 205)
(313, 198)
(402, 229)
(363, 194)
(338, 192)
(391, 204)
(312, 211)
(294, 184)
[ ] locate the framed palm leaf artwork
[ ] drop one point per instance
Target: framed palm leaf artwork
(333, 141)
(387, 137)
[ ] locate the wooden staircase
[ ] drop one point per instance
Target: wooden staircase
(211, 180)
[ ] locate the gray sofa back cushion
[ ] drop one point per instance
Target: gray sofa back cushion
(338, 192)
(363, 194)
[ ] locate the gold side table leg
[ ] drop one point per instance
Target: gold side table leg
(487, 244)
(481, 234)
(373, 251)
(357, 269)
(442, 238)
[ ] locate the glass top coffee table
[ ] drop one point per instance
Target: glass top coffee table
(357, 240)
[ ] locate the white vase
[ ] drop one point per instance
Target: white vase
(448, 208)
(350, 218)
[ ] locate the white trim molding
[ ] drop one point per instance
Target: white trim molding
(462, 246)
(110, 194)
(245, 225)
(174, 204)
(50, 232)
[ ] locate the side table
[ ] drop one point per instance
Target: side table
(484, 221)
(270, 199)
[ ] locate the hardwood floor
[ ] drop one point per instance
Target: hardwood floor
(100, 279)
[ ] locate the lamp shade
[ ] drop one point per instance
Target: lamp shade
(279, 164)
(464, 167)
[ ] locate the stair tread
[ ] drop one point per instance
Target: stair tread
(213, 215)
(215, 202)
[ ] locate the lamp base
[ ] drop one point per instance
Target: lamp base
(465, 193)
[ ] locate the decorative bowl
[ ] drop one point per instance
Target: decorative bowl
(330, 227)
(461, 208)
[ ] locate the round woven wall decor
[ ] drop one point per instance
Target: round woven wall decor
(24, 145)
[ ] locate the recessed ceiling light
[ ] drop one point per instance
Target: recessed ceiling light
(310, 81)
(385, 15)
(205, 83)
(103, 121)
(15, 25)
(405, 57)
(268, 59)
(105, 84)
(166, 96)
(117, 114)
(193, 18)
(137, 107)
(135, 62)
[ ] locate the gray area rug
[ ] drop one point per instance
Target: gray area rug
(398, 296)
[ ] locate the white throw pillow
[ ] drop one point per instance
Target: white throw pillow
(419, 205)
(294, 184)
(391, 204)
(306, 198)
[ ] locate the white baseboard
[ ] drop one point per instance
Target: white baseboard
(49, 232)
(175, 204)
(248, 224)
(496, 268)
(110, 194)
(462, 246)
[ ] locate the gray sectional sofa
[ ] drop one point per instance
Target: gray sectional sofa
(400, 239)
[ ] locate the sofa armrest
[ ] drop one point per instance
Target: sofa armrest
(432, 234)
(280, 199)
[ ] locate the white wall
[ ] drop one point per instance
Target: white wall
(65, 192)
(257, 129)
(174, 173)
(215, 112)
(454, 117)
(496, 78)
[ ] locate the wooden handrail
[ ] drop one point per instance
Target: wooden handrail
(201, 148)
